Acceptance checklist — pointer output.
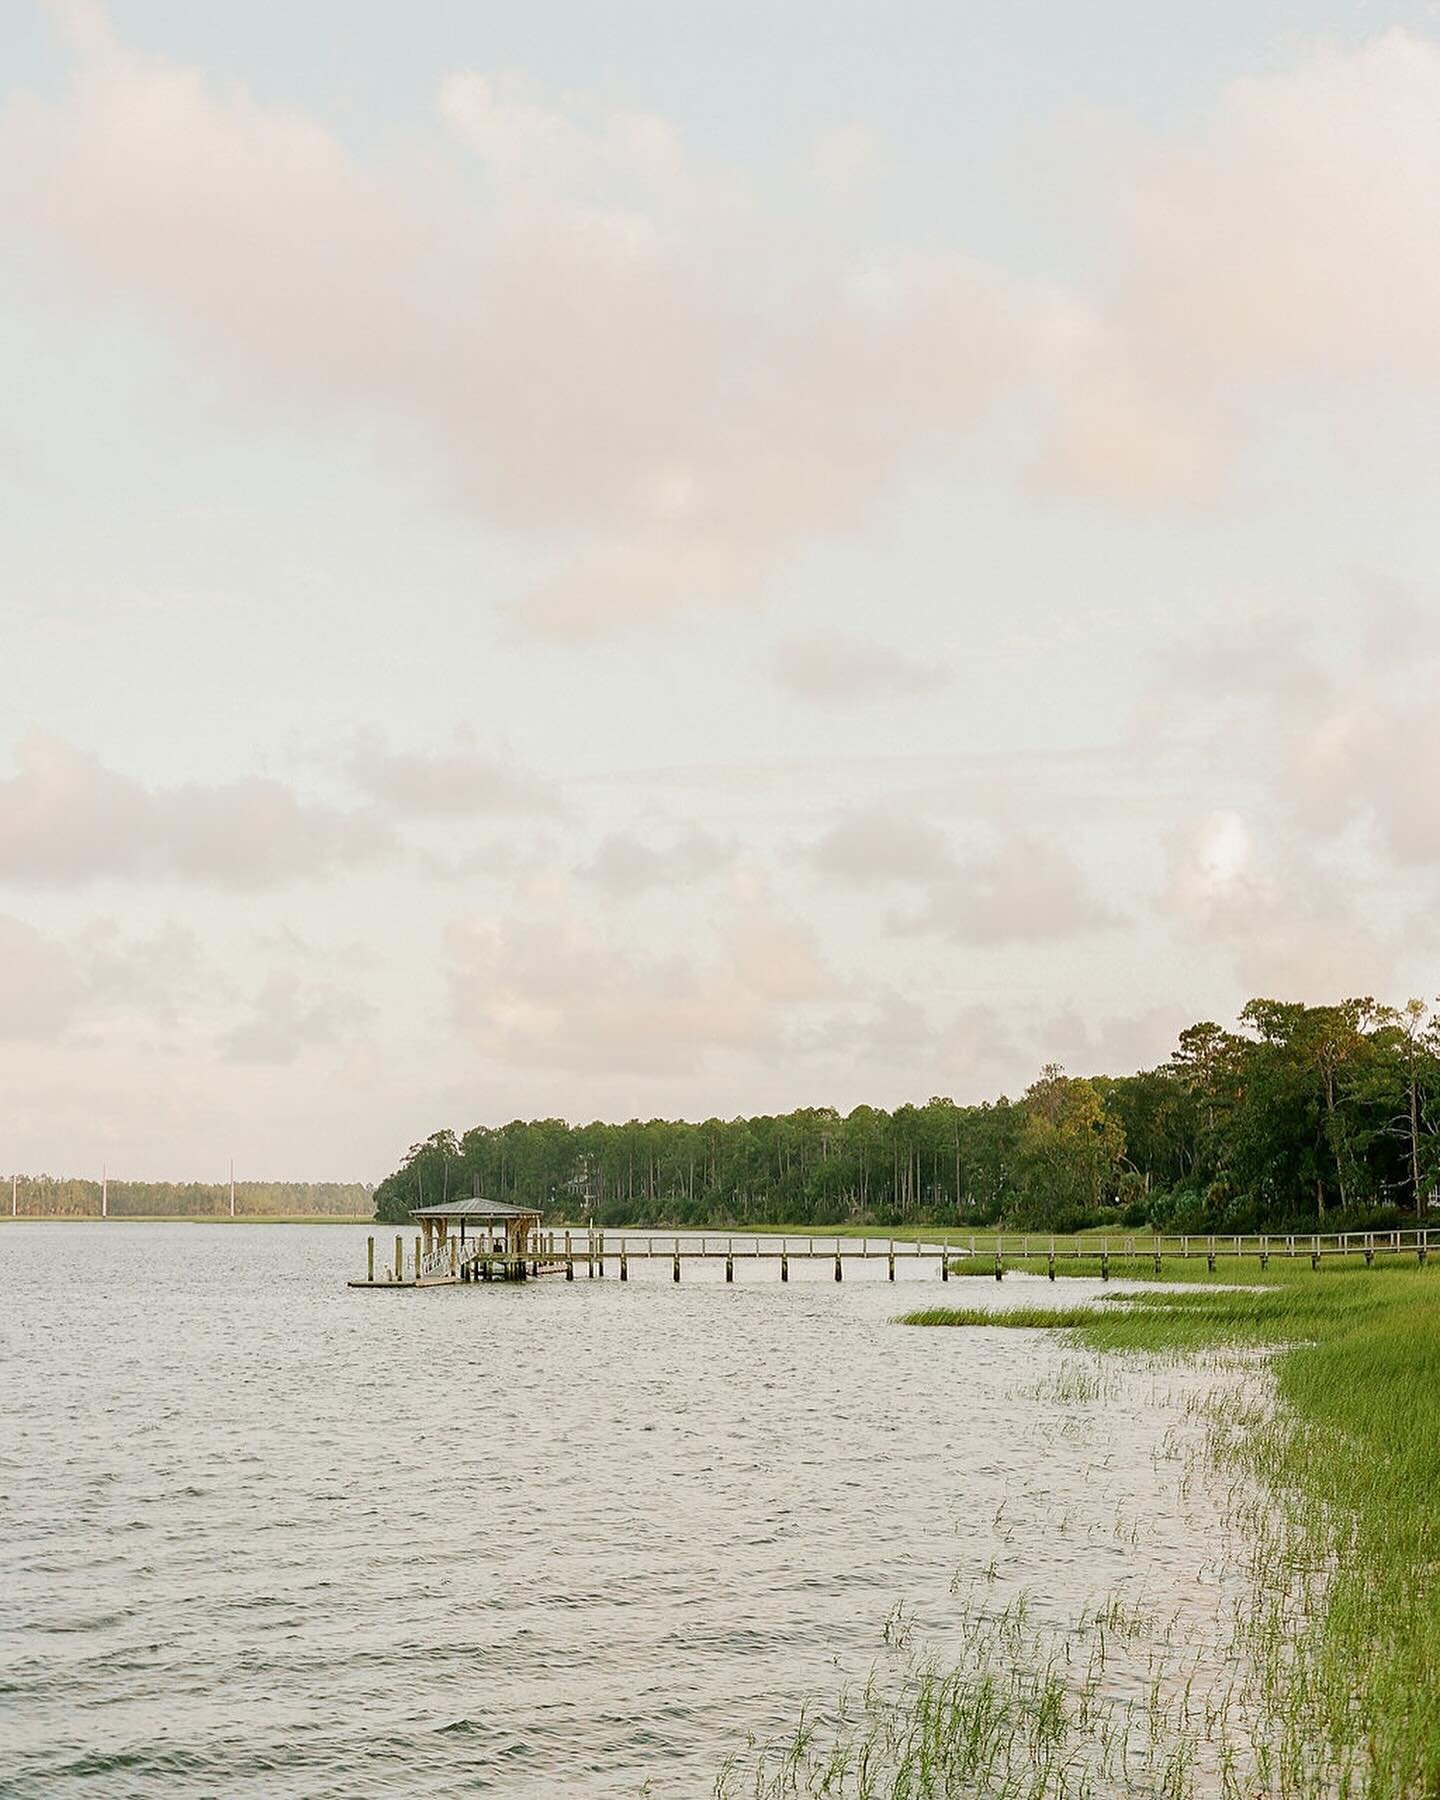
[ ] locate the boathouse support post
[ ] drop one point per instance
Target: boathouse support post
(370, 1259)
(399, 1259)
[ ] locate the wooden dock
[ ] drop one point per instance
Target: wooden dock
(594, 1254)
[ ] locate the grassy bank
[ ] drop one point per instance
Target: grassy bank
(1342, 1473)
(1314, 1457)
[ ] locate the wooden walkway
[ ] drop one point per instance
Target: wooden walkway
(597, 1253)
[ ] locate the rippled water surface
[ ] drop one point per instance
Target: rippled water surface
(265, 1535)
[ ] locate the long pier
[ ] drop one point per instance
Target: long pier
(592, 1253)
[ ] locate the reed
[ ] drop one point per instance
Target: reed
(1320, 1449)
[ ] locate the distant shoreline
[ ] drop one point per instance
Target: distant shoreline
(187, 1219)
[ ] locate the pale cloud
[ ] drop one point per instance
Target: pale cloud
(289, 1015)
(624, 865)
(455, 784)
(643, 381)
(1292, 237)
(41, 986)
(1024, 891)
(67, 819)
(881, 844)
(1285, 922)
(555, 991)
(99, 980)
(830, 667)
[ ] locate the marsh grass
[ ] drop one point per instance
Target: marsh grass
(1319, 1457)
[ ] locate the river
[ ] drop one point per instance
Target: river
(265, 1535)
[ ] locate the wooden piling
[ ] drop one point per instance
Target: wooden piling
(999, 1265)
(1050, 1271)
(399, 1259)
(1105, 1265)
(729, 1266)
(624, 1265)
(675, 1275)
(839, 1273)
(370, 1259)
(569, 1262)
(784, 1266)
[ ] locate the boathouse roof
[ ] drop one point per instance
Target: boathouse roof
(475, 1208)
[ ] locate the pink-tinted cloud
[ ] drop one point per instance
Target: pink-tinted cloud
(607, 350)
(829, 667)
(66, 819)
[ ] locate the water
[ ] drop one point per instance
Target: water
(267, 1536)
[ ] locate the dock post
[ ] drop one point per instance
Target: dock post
(892, 1259)
(945, 1260)
(624, 1265)
(418, 1259)
(1105, 1263)
(729, 1265)
(370, 1259)
(1157, 1256)
(399, 1259)
(999, 1266)
(838, 1275)
(600, 1255)
(454, 1256)
(785, 1265)
(567, 1244)
(1210, 1255)
(569, 1263)
(675, 1272)
(1050, 1268)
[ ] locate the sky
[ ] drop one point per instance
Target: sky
(683, 557)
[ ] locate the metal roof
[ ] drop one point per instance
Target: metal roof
(475, 1209)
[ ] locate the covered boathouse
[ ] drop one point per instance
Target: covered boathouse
(477, 1239)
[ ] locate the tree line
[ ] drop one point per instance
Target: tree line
(69, 1197)
(1301, 1117)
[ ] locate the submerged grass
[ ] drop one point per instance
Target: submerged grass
(1324, 1685)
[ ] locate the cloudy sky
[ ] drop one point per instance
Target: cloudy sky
(686, 556)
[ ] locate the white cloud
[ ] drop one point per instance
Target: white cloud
(67, 819)
(1024, 891)
(455, 784)
(556, 992)
(289, 1015)
(611, 355)
(880, 844)
(1292, 237)
(624, 865)
(827, 666)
